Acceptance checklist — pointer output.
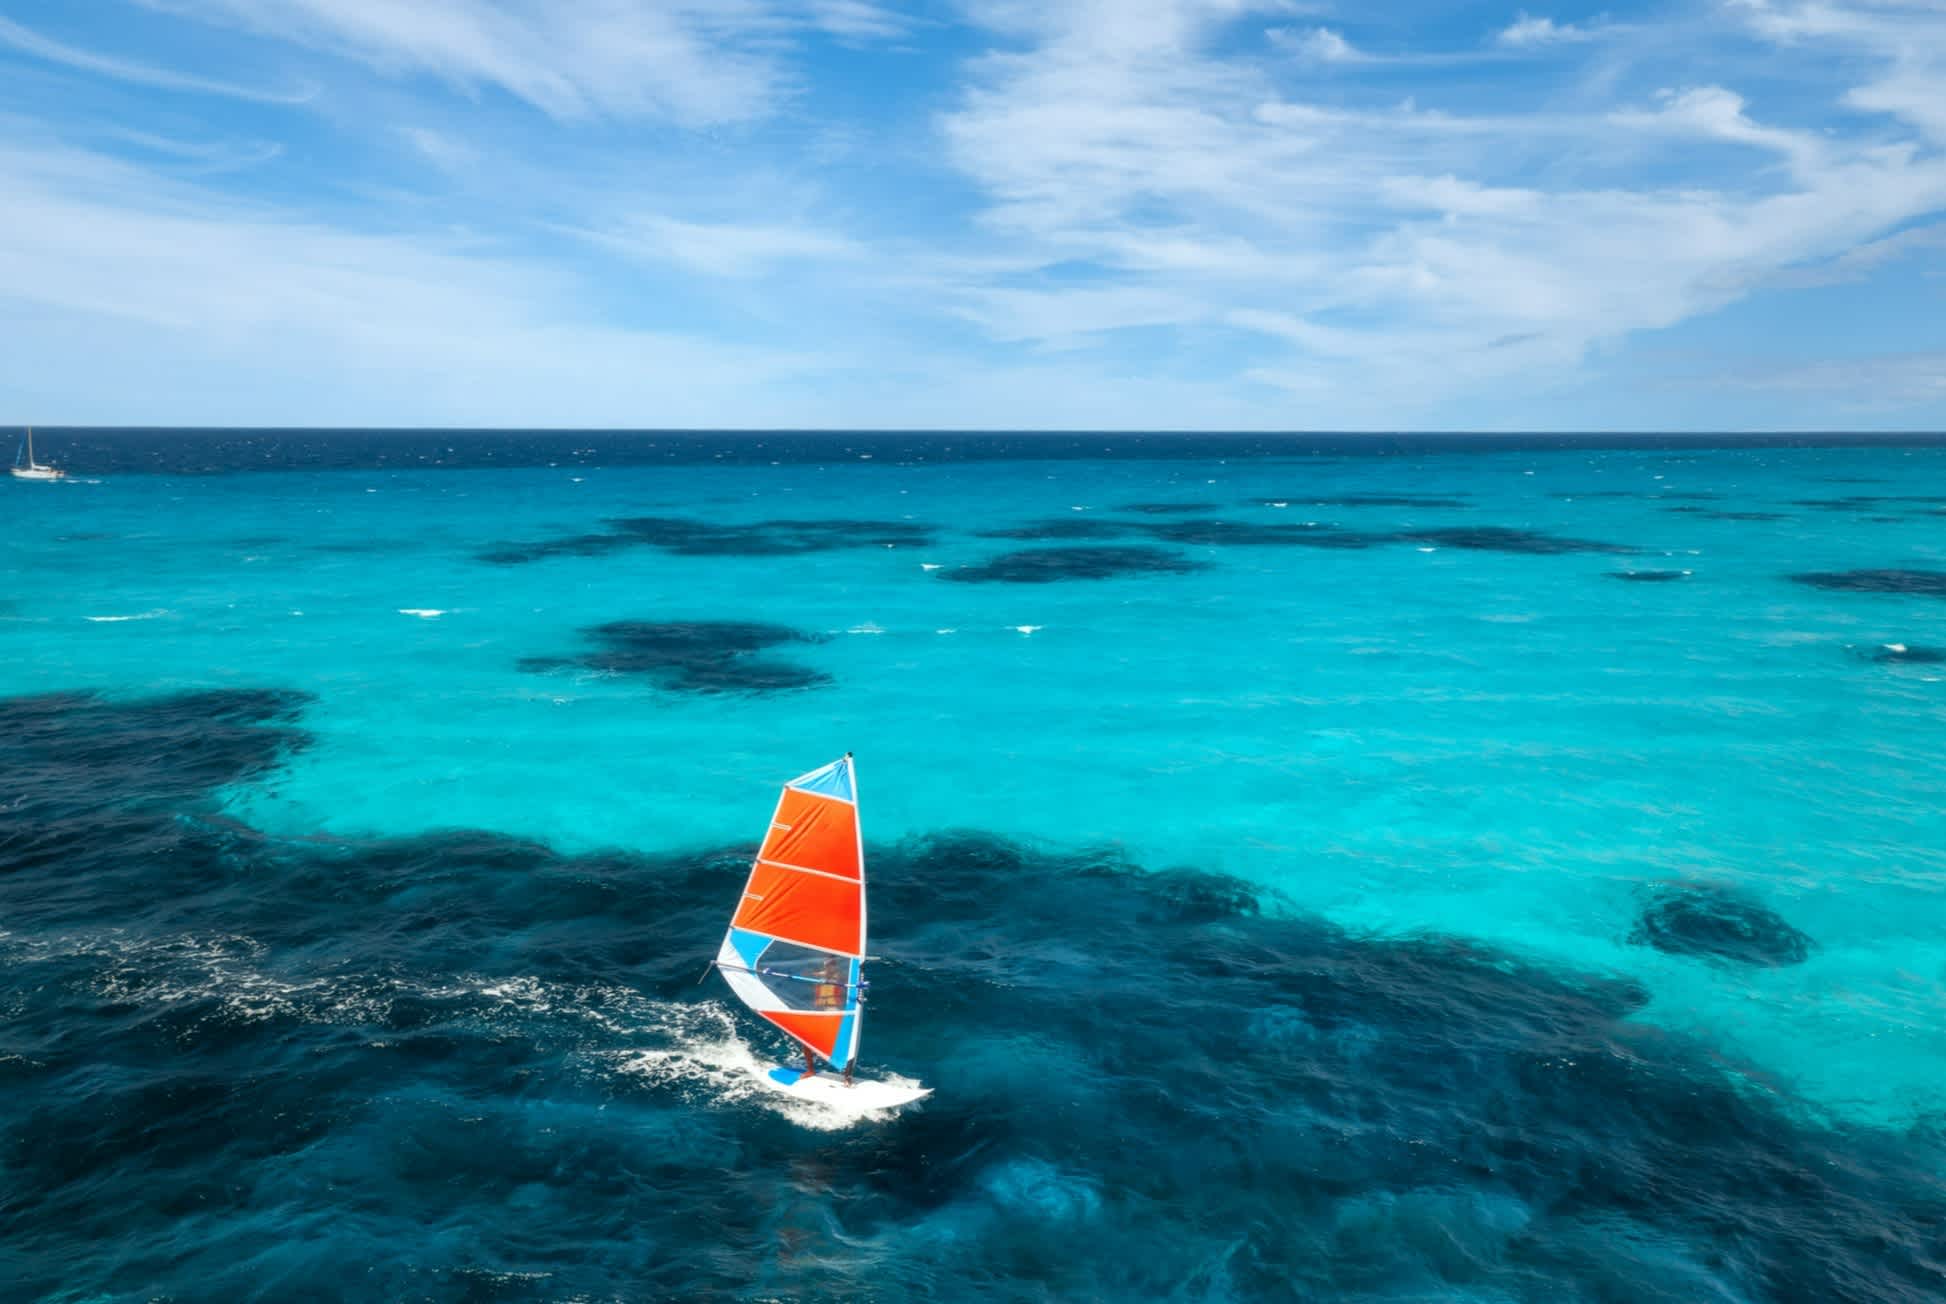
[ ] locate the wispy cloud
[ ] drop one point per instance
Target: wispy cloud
(725, 249)
(697, 62)
(858, 20)
(1035, 212)
(432, 329)
(439, 148)
(1862, 383)
(1394, 242)
(30, 42)
(1907, 37)
(1528, 32)
(1320, 43)
(1856, 264)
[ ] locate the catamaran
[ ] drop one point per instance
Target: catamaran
(795, 951)
(30, 469)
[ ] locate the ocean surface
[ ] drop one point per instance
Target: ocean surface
(1363, 868)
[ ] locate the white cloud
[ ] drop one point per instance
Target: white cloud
(697, 62)
(344, 325)
(720, 248)
(1406, 246)
(1060, 318)
(1528, 31)
(1907, 36)
(1873, 381)
(1713, 113)
(1156, 171)
(440, 149)
(1320, 43)
(28, 41)
(1859, 263)
(857, 20)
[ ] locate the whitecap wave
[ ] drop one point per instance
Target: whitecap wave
(140, 615)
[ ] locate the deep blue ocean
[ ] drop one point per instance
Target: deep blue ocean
(1313, 868)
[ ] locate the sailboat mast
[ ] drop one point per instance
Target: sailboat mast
(30, 446)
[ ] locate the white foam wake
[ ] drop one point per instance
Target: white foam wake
(710, 1060)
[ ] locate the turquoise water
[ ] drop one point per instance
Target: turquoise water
(1403, 738)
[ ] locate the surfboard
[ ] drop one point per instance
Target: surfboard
(859, 1093)
(795, 950)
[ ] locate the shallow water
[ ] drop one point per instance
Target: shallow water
(1339, 886)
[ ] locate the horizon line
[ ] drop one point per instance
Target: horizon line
(1183, 431)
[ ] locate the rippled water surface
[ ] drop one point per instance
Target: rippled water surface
(1302, 869)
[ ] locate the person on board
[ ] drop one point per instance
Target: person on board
(830, 994)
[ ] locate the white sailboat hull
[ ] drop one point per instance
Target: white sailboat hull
(37, 473)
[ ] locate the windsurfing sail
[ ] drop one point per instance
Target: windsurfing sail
(796, 946)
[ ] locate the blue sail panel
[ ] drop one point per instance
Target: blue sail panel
(834, 780)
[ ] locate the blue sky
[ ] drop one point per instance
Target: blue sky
(1199, 214)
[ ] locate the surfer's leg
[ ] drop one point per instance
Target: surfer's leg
(810, 1065)
(848, 1068)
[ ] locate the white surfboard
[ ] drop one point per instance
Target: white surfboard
(858, 1094)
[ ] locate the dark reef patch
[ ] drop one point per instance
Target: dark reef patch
(1649, 576)
(1264, 534)
(692, 538)
(462, 1066)
(1710, 515)
(168, 747)
(1166, 509)
(361, 547)
(1922, 583)
(1871, 502)
(1713, 922)
(779, 538)
(1903, 654)
(692, 656)
(1665, 495)
(1067, 527)
(1435, 501)
(82, 772)
(1047, 565)
(1500, 538)
(574, 545)
(1216, 532)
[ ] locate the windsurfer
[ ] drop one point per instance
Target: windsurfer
(831, 991)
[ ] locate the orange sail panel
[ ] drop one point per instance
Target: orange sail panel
(795, 949)
(818, 1031)
(803, 906)
(814, 831)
